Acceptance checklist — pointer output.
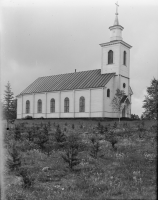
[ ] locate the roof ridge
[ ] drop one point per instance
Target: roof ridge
(70, 73)
(69, 81)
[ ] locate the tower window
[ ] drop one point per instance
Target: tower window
(52, 105)
(124, 85)
(110, 57)
(124, 57)
(108, 92)
(39, 106)
(27, 106)
(82, 104)
(66, 105)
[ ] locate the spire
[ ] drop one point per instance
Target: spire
(116, 22)
(116, 29)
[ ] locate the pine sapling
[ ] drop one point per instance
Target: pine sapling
(59, 136)
(72, 150)
(28, 180)
(14, 162)
(95, 149)
(30, 135)
(40, 139)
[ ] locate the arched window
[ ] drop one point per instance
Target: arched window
(124, 57)
(52, 105)
(27, 106)
(39, 106)
(82, 104)
(110, 57)
(108, 92)
(66, 105)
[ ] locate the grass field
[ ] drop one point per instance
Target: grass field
(127, 171)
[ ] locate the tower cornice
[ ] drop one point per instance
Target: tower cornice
(116, 42)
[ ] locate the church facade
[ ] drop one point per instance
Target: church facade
(84, 94)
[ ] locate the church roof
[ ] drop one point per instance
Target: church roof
(70, 81)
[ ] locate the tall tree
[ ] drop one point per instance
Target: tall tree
(9, 104)
(151, 101)
(116, 102)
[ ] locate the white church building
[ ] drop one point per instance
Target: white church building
(85, 94)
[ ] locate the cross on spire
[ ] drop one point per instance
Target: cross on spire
(117, 8)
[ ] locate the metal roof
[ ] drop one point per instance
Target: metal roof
(70, 81)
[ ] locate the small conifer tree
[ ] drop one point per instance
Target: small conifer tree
(72, 149)
(95, 149)
(28, 180)
(59, 135)
(14, 161)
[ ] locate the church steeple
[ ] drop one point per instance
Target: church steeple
(116, 29)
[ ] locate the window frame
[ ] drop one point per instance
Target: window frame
(27, 107)
(125, 58)
(108, 93)
(66, 105)
(39, 106)
(82, 104)
(110, 57)
(52, 105)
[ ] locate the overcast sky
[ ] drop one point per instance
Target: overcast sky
(40, 38)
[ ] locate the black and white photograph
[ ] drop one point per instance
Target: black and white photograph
(79, 99)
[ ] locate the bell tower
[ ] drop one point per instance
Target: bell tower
(116, 56)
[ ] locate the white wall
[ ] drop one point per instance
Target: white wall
(43, 99)
(68, 94)
(96, 102)
(122, 81)
(117, 65)
(54, 95)
(19, 107)
(110, 68)
(86, 95)
(125, 70)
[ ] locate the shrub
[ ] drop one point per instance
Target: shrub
(49, 126)
(71, 155)
(81, 126)
(28, 117)
(30, 134)
(59, 136)
(40, 139)
(95, 147)
(17, 133)
(110, 137)
(115, 125)
(48, 147)
(14, 162)
(28, 180)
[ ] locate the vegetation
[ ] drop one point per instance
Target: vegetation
(71, 152)
(151, 101)
(9, 104)
(116, 102)
(133, 116)
(95, 162)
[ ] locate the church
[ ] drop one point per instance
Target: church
(85, 94)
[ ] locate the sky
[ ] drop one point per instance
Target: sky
(43, 38)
